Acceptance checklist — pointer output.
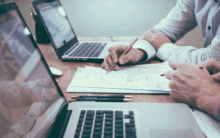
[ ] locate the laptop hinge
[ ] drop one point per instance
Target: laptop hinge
(61, 124)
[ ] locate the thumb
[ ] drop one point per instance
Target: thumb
(216, 77)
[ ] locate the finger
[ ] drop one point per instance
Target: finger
(110, 62)
(212, 66)
(174, 64)
(113, 52)
(169, 75)
(105, 64)
(216, 77)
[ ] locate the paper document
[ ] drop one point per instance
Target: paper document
(208, 125)
(132, 79)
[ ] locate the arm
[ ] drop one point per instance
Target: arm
(190, 54)
(180, 20)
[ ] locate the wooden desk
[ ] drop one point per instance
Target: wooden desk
(69, 69)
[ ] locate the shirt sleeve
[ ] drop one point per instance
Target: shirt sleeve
(190, 54)
(180, 20)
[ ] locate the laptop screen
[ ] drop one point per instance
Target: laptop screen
(55, 19)
(29, 96)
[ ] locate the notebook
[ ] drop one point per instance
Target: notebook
(63, 37)
(33, 105)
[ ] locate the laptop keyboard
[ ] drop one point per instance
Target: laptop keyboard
(105, 124)
(88, 50)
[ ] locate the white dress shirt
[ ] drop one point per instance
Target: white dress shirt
(185, 16)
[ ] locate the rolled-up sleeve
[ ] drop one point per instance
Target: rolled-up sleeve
(180, 20)
(190, 54)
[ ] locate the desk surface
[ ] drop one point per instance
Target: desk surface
(69, 69)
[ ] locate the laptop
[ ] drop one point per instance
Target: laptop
(63, 37)
(33, 105)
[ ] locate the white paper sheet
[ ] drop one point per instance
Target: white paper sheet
(132, 79)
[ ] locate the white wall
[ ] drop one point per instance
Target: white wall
(114, 17)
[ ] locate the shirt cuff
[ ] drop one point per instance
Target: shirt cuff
(147, 47)
(165, 51)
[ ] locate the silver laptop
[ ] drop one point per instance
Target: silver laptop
(32, 104)
(62, 36)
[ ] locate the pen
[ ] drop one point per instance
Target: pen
(103, 96)
(106, 100)
(125, 52)
(98, 98)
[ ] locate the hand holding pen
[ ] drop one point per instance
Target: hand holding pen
(130, 56)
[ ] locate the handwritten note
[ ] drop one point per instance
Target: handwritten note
(135, 79)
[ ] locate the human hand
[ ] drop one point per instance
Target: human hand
(132, 57)
(213, 68)
(194, 86)
(155, 38)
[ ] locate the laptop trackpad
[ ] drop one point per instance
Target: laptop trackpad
(171, 133)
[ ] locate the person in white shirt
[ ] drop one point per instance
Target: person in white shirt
(159, 41)
(191, 84)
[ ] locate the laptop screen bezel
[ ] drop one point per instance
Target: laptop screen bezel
(10, 6)
(59, 51)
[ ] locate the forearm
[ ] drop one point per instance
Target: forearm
(190, 54)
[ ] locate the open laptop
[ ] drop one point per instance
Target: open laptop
(32, 104)
(62, 36)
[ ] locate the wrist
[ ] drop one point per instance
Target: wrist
(209, 102)
(143, 55)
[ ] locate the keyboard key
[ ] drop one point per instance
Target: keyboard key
(79, 124)
(86, 136)
(108, 119)
(96, 133)
(118, 121)
(118, 135)
(108, 127)
(98, 124)
(118, 114)
(99, 116)
(108, 132)
(129, 125)
(132, 116)
(99, 112)
(90, 112)
(86, 131)
(131, 112)
(77, 134)
(88, 126)
(109, 115)
(89, 117)
(78, 129)
(82, 115)
(106, 136)
(99, 120)
(87, 122)
(82, 112)
(119, 125)
(118, 130)
(81, 119)
(98, 128)
(131, 120)
(127, 116)
(108, 123)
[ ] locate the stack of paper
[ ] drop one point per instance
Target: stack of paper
(132, 79)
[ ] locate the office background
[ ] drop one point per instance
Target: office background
(97, 18)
